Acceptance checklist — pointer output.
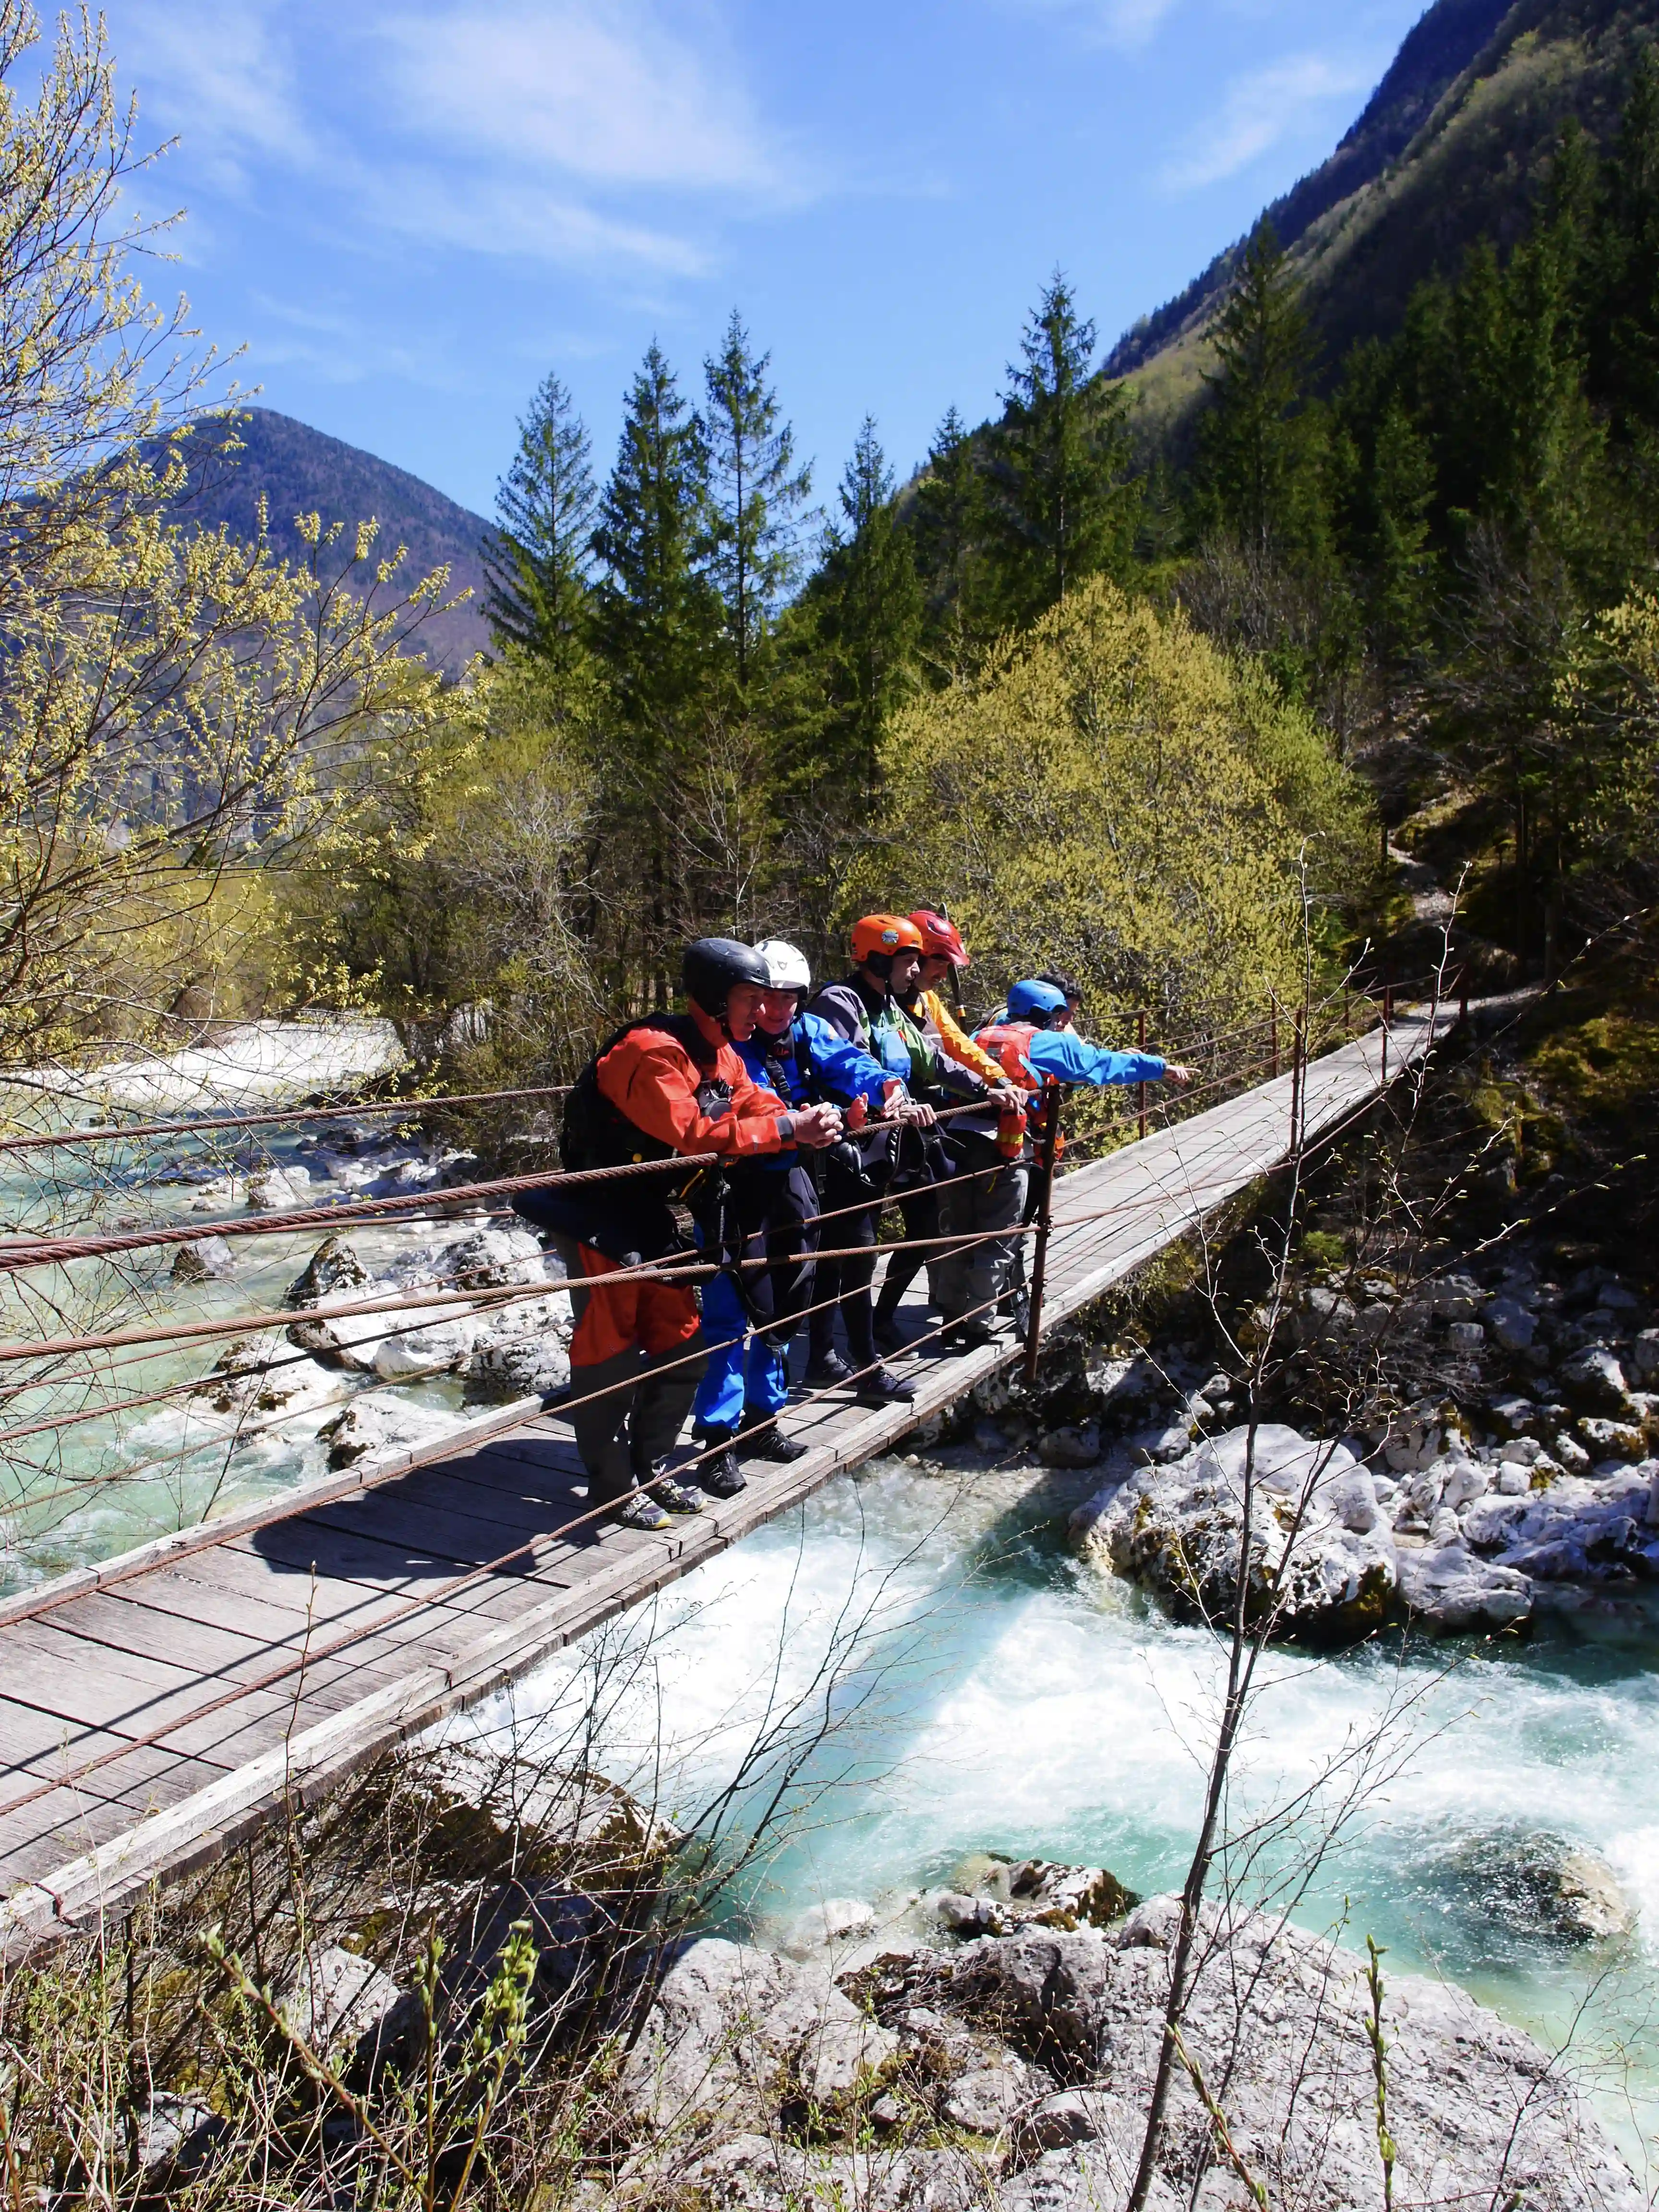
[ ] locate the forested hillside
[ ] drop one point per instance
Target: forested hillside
(1412, 573)
(1434, 54)
(1453, 148)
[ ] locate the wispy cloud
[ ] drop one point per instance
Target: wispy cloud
(549, 129)
(522, 216)
(615, 94)
(1259, 111)
(222, 72)
(1129, 23)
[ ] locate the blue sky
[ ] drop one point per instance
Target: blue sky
(409, 210)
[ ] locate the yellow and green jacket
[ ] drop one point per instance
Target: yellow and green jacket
(957, 1043)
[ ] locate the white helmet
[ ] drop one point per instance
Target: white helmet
(786, 965)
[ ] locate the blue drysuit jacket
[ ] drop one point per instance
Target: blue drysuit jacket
(813, 1050)
(1065, 1057)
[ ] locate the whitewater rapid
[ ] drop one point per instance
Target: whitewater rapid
(974, 1687)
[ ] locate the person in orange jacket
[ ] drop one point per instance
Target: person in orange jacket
(669, 1085)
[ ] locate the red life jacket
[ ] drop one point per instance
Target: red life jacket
(1008, 1043)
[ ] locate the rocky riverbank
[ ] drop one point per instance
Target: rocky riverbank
(1015, 2069)
(1530, 1484)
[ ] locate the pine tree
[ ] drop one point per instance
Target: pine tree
(655, 612)
(755, 493)
(867, 602)
(1624, 330)
(537, 560)
(1258, 461)
(947, 529)
(1063, 504)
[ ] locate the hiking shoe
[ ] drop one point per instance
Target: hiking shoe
(675, 1497)
(641, 1513)
(967, 1336)
(824, 1374)
(770, 1443)
(881, 1387)
(721, 1476)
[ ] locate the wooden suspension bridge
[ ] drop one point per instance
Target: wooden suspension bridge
(155, 1707)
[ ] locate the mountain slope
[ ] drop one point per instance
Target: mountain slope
(1388, 209)
(1433, 54)
(303, 471)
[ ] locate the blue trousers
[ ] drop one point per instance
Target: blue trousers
(748, 1376)
(744, 1373)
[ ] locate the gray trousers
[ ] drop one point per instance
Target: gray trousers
(622, 1433)
(973, 1278)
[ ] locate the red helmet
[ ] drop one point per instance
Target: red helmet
(878, 936)
(940, 938)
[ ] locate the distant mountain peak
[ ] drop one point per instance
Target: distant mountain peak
(306, 472)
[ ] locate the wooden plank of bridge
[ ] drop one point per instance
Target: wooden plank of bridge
(149, 1719)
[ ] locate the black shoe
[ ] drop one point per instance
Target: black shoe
(641, 1513)
(882, 1388)
(721, 1476)
(889, 1336)
(824, 1374)
(674, 1496)
(770, 1443)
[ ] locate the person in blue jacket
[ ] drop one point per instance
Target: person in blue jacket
(748, 1326)
(1033, 1043)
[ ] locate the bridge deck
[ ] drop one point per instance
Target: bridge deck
(214, 1673)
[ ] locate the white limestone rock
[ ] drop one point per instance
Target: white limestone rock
(732, 2029)
(376, 1424)
(1479, 2111)
(1319, 1537)
(1450, 1591)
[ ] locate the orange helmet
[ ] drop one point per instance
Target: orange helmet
(940, 938)
(879, 936)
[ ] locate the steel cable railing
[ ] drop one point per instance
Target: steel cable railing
(477, 1300)
(314, 1654)
(205, 1125)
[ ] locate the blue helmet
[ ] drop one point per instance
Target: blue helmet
(1034, 1000)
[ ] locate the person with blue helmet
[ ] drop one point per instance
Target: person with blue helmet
(1034, 1045)
(747, 1324)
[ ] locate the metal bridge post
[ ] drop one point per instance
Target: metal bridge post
(1298, 1081)
(1047, 1152)
(1141, 1026)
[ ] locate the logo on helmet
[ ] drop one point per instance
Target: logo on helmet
(890, 938)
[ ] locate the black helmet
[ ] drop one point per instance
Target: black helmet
(713, 964)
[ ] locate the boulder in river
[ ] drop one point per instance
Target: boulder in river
(1451, 1590)
(1321, 1550)
(209, 1261)
(376, 1424)
(1537, 1883)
